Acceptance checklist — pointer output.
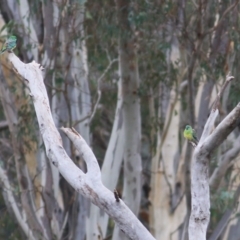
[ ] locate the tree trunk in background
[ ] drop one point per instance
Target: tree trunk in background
(232, 223)
(26, 28)
(76, 94)
(164, 167)
(129, 78)
(182, 52)
(110, 169)
(167, 171)
(18, 113)
(50, 175)
(75, 104)
(81, 107)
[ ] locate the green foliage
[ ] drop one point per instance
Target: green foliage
(8, 227)
(9, 27)
(220, 202)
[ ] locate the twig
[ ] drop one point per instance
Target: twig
(216, 102)
(222, 18)
(226, 159)
(214, 112)
(81, 120)
(99, 89)
(223, 129)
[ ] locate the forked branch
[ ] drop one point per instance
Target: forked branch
(89, 184)
(200, 214)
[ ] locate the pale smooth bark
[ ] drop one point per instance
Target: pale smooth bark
(89, 184)
(30, 29)
(70, 108)
(132, 135)
(166, 194)
(30, 35)
(52, 194)
(13, 104)
(129, 78)
(200, 214)
(111, 166)
(52, 28)
(80, 109)
(164, 178)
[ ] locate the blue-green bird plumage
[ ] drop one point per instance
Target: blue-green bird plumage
(9, 45)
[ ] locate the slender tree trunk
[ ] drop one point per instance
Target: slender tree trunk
(129, 77)
(110, 169)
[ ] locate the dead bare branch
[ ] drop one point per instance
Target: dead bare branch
(200, 214)
(89, 184)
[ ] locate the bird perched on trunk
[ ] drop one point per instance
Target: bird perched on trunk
(190, 134)
(9, 45)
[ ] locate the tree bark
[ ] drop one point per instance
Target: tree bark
(89, 184)
(200, 214)
(129, 78)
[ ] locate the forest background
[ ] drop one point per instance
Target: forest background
(128, 76)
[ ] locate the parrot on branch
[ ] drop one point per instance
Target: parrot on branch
(9, 45)
(190, 134)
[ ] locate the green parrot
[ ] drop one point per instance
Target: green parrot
(9, 45)
(190, 135)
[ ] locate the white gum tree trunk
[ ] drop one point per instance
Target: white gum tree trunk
(129, 78)
(165, 167)
(110, 169)
(81, 107)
